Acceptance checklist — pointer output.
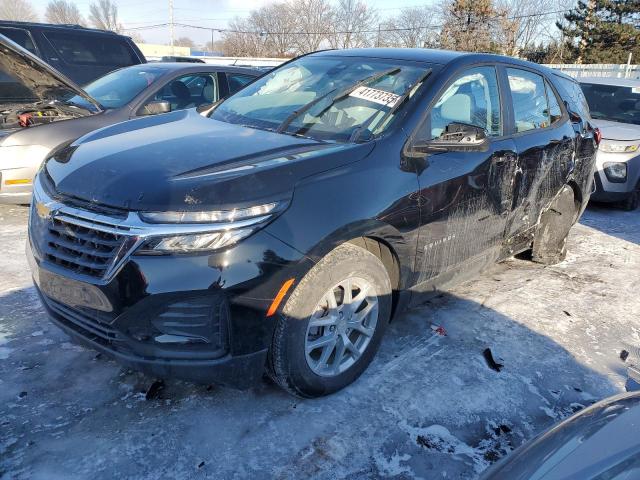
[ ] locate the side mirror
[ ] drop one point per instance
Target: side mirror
(207, 109)
(456, 136)
(155, 107)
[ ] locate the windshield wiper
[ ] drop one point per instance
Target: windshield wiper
(295, 114)
(365, 125)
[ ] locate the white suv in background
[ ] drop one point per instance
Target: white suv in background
(615, 109)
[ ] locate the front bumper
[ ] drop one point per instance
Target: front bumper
(18, 166)
(607, 191)
(599, 193)
(217, 301)
(240, 371)
(16, 185)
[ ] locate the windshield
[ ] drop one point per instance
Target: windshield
(614, 103)
(329, 98)
(118, 88)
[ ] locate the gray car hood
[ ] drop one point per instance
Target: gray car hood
(617, 130)
(44, 81)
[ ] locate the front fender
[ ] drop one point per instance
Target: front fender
(366, 199)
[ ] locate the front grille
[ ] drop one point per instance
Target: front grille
(81, 249)
(89, 327)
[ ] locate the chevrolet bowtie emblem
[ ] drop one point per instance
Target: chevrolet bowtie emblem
(44, 210)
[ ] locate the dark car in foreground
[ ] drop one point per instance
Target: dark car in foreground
(282, 228)
(615, 107)
(60, 111)
(82, 54)
(600, 442)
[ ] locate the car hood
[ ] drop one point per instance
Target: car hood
(618, 131)
(184, 161)
(45, 82)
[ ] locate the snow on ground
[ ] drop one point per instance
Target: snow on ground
(428, 407)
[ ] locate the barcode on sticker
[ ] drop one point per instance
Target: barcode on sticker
(376, 96)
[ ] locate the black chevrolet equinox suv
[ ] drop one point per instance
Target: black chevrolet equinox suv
(283, 228)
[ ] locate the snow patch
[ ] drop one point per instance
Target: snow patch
(392, 467)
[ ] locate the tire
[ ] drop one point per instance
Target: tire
(633, 200)
(550, 239)
(292, 363)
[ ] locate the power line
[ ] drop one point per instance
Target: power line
(329, 32)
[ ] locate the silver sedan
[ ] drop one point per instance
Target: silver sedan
(615, 108)
(48, 110)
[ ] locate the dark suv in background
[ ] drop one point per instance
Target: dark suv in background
(82, 54)
(283, 227)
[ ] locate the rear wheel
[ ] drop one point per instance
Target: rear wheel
(332, 324)
(550, 239)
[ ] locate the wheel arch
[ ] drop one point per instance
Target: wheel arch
(395, 250)
(389, 258)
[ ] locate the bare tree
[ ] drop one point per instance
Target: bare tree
(469, 25)
(104, 15)
(215, 46)
(313, 23)
(20, 10)
(519, 24)
(276, 23)
(243, 39)
(352, 23)
(62, 11)
(184, 42)
(136, 37)
(414, 27)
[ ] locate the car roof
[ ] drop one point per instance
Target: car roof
(411, 54)
(441, 57)
(74, 27)
(186, 67)
(618, 82)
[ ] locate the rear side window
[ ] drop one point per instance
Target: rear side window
(575, 97)
(529, 97)
(21, 37)
(237, 81)
(555, 112)
(92, 50)
(473, 98)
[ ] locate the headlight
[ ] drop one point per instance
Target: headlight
(219, 216)
(616, 172)
(610, 147)
(183, 232)
(23, 156)
(195, 242)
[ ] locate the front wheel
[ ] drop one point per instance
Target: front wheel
(332, 324)
(633, 200)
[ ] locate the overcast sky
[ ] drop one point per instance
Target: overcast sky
(206, 13)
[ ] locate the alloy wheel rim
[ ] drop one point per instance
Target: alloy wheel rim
(341, 327)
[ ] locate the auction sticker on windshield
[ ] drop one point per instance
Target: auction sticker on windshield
(377, 96)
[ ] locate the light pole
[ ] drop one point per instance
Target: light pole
(171, 33)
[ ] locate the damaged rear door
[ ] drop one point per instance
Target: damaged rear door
(465, 196)
(545, 144)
